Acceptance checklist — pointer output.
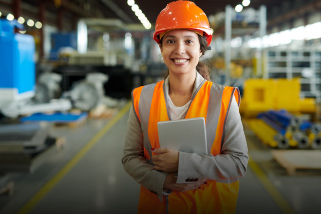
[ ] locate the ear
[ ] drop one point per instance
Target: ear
(201, 53)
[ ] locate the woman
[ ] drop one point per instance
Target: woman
(173, 181)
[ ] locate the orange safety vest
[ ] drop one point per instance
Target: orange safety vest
(212, 102)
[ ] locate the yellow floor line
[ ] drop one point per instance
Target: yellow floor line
(278, 198)
(47, 187)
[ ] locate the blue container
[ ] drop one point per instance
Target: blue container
(62, 40)
(17, 64)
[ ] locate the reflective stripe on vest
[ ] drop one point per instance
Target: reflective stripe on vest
(210, 101)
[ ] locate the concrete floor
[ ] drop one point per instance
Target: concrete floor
(97, 182)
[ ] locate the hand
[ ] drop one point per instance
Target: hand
(165, 160)
(170, 183)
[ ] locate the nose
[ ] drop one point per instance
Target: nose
(180, 48)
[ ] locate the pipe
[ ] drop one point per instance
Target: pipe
(301, 139)
(282, 142)
(316, 143)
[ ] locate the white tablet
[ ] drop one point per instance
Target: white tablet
(187, 135)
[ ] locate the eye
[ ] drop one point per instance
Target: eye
(170, 41)
(189, 41)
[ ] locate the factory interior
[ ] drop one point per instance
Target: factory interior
(67, 72)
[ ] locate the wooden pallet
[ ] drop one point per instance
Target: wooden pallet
(71, 124)
(102, 112)
(298, 159)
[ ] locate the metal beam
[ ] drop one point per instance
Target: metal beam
(41, 15)
(295, 13)
(261, 48)
(60, 19)
(119, 12)
(76, 9)
(17, 8)
(228, 37)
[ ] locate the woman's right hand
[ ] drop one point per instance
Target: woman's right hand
(170, 183)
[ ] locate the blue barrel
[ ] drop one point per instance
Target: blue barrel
(17, 63)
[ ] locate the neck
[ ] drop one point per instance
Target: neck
(181, 84)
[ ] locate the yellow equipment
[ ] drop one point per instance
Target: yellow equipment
(274, 94)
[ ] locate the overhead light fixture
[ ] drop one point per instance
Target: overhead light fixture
(0, 14)
(21, 20)
(246, 3)
(141, 16)
(30, 22)
(238, 8)
(138, 12)
(130, 2)
(10, 17)
(38, 25)
(135, 7)
(22, 31)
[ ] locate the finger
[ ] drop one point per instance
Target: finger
(160, 150)
(156, 158)
(158, 168)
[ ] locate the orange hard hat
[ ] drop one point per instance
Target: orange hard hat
(182, 15)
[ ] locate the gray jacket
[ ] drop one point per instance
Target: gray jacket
(230, 165)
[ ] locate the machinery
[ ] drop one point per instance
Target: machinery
(47, 87)
(22, 146)
(87, 94)
(17, 82)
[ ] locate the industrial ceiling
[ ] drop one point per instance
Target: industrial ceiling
(277, 10)
(151, 8)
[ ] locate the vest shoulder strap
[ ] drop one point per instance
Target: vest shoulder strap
(227, 98)
(135, 100)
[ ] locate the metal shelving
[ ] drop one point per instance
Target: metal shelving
(303, 64)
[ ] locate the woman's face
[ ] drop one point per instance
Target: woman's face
(181, 51)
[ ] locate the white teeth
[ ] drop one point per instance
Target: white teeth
(180, 60)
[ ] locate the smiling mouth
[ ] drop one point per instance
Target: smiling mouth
(180, 60)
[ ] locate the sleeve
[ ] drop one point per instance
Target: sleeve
(230, 164)
(134, 162)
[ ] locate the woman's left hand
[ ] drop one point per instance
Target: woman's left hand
(165, 160)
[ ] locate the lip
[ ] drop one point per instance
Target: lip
(180, 61)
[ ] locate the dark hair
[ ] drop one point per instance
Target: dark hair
(201, 67)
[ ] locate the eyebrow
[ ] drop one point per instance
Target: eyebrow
(175, 36)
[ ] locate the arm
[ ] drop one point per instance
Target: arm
(144, 173)
(134, 162)
(230, 164)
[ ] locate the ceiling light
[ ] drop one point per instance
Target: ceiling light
(22, 31)
(141, 16)
(30, 22)
(0, 14)
(130, 2)
(246, 3)
(135, 7)
(238, 8)
(21, 20)
(147, 26)
(10, 17)
(38, 25)
(138, 12)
